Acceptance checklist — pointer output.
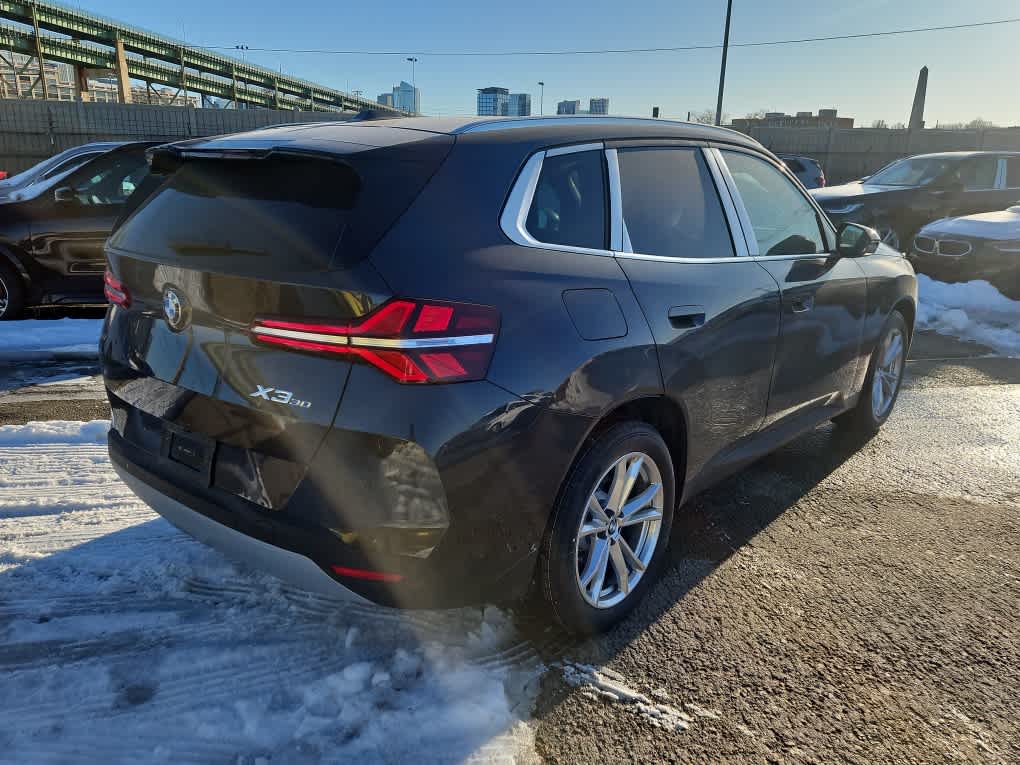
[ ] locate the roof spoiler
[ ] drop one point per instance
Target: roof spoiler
(168, 158)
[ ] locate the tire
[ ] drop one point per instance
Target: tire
(868, 415)
(566, 551)
(12, 293)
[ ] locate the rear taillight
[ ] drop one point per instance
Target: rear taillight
(115, 290)
(820, 179)
(412, 341)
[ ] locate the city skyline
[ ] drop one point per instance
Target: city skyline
(872, 79)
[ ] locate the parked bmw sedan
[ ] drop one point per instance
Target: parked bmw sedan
(902, 197)
(52, 231)
(983, 246)
(430, 362)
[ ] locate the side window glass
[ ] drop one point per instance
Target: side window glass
(784, 221)
(569, 206)
(68, 164)
(670, 204)
(979, 173)
(1013, 173)
(111, 179)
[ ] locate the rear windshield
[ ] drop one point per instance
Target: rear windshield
(289, 213)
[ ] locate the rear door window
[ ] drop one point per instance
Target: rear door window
(1013, 172)
(794, 165)
(569, 205)
(784, 221)
(978, 174)
(670, 205)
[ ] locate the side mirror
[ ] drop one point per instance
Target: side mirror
(64, 194)
(854, 240)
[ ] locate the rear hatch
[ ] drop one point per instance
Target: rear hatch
(276, 223)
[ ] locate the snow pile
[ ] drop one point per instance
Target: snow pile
(974, 311)
(128, 640)
(69, 336)
(55, 432)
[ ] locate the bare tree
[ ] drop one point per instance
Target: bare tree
(980, 123)
(757, 114)
(705, 117)
(879, 124)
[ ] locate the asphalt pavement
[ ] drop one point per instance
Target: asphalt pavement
(838, 601)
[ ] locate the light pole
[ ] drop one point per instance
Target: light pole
(722, 68)
(413, 61)
(244, 57)
(541, 98)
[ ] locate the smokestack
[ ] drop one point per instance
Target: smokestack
(917, 110)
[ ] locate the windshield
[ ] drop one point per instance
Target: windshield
(919, 171)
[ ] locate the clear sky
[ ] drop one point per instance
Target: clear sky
(973, 73)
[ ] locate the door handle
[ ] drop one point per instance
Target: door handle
(686, 316)
(802, 304)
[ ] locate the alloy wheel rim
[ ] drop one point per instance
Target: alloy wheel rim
(888, 371)
(3, 297)
(619, 530)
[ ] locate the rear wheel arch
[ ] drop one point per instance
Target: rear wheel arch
(662, 413)
(8, 256)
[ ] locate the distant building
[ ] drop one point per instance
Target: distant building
(407, 98)
(520, 105)
(493, 102)
(568, 107)
(598, 106)
(824, 118)
(386, 99)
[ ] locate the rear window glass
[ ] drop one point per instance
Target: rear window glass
(569, 206)
(295, 214)
(1013, 173)
(794, 165)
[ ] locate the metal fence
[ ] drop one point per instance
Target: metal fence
(34, 130)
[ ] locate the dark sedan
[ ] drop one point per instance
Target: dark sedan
(983, 246)
(902, 197)
(52, 231)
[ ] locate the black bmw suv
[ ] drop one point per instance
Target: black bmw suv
(903, 196)
(428, 362)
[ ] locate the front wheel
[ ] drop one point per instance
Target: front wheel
(882, 383)
(605, 545)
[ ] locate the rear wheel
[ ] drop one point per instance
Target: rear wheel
(12, 293)
(882, 384)
(606, 543)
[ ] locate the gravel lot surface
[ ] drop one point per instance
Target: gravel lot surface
(836, 602)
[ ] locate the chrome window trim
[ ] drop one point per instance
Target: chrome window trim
(1000, 174)
(737, 232)
(829, 233)
(574, 148)
(616, 234)
(514, 218)
(295, 334)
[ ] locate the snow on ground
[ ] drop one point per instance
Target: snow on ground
(50, 335)
(124, 640)
(973, 310)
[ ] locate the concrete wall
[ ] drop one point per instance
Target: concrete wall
(33, 130)
(849, 154)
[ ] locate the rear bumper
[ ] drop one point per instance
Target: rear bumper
(284, 564)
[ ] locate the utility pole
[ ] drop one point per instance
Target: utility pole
(722, 69)
(541, 98)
